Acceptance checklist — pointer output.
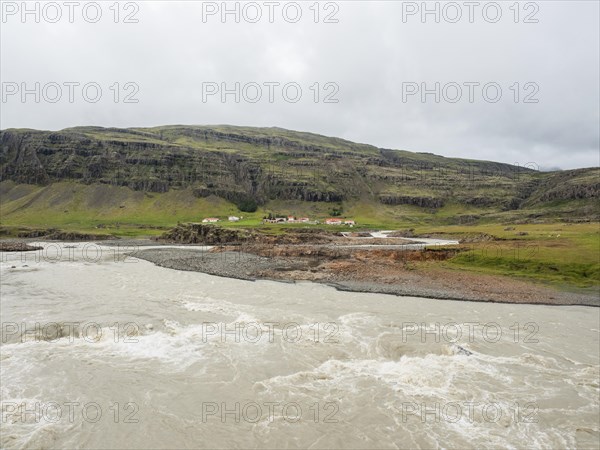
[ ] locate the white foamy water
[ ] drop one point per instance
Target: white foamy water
(148, 357)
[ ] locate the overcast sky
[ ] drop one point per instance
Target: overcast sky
(540, 103)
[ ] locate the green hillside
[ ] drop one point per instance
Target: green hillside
(104, 178)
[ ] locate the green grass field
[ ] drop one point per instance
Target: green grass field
(562, 254)
(120, 210)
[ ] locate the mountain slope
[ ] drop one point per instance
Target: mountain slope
(252, 167)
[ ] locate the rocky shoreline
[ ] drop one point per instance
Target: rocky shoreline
(348, 274)
(18, 247)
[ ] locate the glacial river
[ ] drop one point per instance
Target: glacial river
(99, 351)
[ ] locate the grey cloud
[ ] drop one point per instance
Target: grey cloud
(369, 54)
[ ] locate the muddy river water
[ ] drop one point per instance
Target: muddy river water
(102, 351)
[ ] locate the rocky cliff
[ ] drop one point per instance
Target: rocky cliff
(250, 166)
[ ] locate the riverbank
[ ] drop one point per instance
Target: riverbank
(549, 265)
(372, 271)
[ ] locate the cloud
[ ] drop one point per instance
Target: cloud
(364, 61)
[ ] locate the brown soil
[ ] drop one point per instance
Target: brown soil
(403, 272)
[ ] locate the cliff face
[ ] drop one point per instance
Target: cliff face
(203, 159)
(252, 166)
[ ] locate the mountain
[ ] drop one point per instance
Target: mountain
(268, 168)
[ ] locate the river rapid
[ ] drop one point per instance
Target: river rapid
(100, 350)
